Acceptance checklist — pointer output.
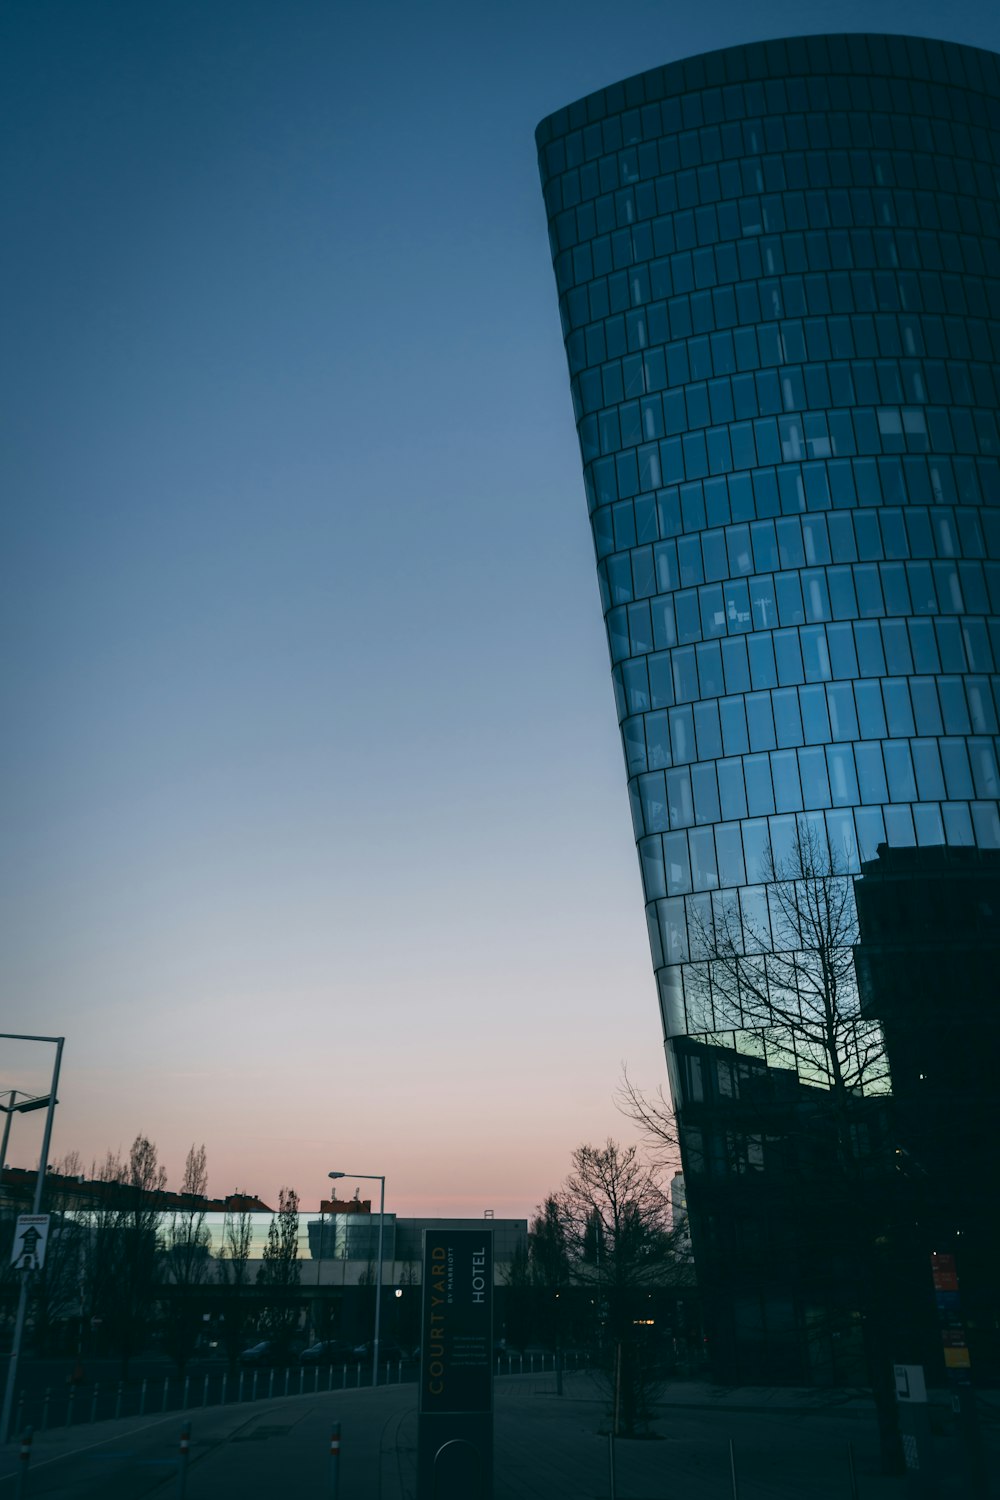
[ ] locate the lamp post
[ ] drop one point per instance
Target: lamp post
(49, 1101)
(373, 1177)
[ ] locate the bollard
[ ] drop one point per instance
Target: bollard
(182, 1462)
(45, 1407)
(270, 1382)
(334, 1460)
(611, 1465)
(142, 1398)
(224, 1398)
(118, 1401)
(22, 1468)
(204, 1394)
(344, 1380)
(93, 1403)
(253, 1387)
(287, 1374)
(852, 1472)
(302, 1378)
(185, 1394)
(70, 1403)
(732, 1470)
(19, 1423)
(358, 1380)
(166, 1388)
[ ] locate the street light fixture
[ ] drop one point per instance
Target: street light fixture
(15, 1105)
(373, 1177)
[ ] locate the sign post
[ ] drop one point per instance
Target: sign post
(30, 1260)
(915, 1429)
(455, 1426)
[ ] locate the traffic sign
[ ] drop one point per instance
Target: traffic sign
(28, 1250)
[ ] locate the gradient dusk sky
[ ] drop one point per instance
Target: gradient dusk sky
(316, 842)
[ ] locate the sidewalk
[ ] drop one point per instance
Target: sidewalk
(787, 1444)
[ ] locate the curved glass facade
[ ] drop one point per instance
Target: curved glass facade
(779, 278)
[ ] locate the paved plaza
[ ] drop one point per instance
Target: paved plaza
(787, 1445)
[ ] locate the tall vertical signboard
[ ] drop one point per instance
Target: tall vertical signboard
(455, 1430)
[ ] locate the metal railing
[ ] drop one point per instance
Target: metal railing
(101, 1401)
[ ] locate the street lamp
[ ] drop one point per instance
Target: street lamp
(373, 1177)
(16, 1105)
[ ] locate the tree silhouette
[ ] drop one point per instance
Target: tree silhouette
(614, 1226)
(233, 1268)
(280, 1267)
(186, 1260)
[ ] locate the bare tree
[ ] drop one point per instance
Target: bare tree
(57, 1287)
(102, 1222)
(122, 1246)
(654, 1114)
(549, 1268)
(280, 1267)
(186, 1258)
(233, 1266)
(614, 1219)
(145, 1182)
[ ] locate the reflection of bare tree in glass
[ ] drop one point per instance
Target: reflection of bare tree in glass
(772, 973)
(234, 1272)
(778, 961)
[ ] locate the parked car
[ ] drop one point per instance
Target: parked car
(267, 1352)
(328, 1352)
(388, 1350)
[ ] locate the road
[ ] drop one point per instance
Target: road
(789, 1446)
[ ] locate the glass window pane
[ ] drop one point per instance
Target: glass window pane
(814, 776)
(705, 788)
(899, 771)
(675, 856)
(871, 772)
(785, 776)
(704, 867)
(843, 715)
(731, 788)
(729, 846)
(760, 792)
(651, 860)
(843, 781)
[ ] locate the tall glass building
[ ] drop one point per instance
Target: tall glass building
(778, 269)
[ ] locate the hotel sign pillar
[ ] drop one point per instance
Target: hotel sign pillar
(455, 1428)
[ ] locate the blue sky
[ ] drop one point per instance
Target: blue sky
(316, 841)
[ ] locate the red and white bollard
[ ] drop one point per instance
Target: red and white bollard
(182, 1462)
(22, 1468)
(334, 1460)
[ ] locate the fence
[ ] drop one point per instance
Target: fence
(104, 1401)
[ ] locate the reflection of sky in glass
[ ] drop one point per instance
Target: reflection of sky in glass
(315, 847)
